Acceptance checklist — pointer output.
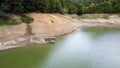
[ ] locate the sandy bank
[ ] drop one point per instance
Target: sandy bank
(44, 25)
(49, 25)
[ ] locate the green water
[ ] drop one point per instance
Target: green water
(96, 47)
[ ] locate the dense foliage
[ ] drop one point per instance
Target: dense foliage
(59, 6)
(26, 19)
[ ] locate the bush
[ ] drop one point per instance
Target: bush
(3, 15)
(26, 19)
(64, 11)
(8, 21)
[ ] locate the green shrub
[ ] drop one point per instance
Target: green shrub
(26, 19)
(3, 15)
(8, 21)
(105, 17)
(86, 17)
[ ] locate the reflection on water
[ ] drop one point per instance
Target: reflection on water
(97, 47)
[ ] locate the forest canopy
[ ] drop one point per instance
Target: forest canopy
(59, 6)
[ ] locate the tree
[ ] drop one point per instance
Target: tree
(59, 6)
(4, 7)
(55, 6)
(15, 6)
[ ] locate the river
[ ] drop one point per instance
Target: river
(93, 47)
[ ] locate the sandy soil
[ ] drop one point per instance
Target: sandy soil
(53, 24)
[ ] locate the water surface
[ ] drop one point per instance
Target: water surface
(94, 47)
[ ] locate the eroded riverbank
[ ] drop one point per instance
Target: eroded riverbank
(43, 26)
(47, 25)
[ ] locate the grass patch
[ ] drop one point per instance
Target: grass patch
(26, 19)
(93, 17)
(8, 22)
(86, 17)
(81, 17)
(105, 17)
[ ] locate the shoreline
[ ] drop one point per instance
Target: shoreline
(25, 41)
(63, 25)
(19, 46)
(8, 47)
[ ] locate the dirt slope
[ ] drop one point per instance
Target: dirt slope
(53, 24)
(43, 25)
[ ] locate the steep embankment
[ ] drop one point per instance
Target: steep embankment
(44, 25)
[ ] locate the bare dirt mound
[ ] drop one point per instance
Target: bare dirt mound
(53, 24)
